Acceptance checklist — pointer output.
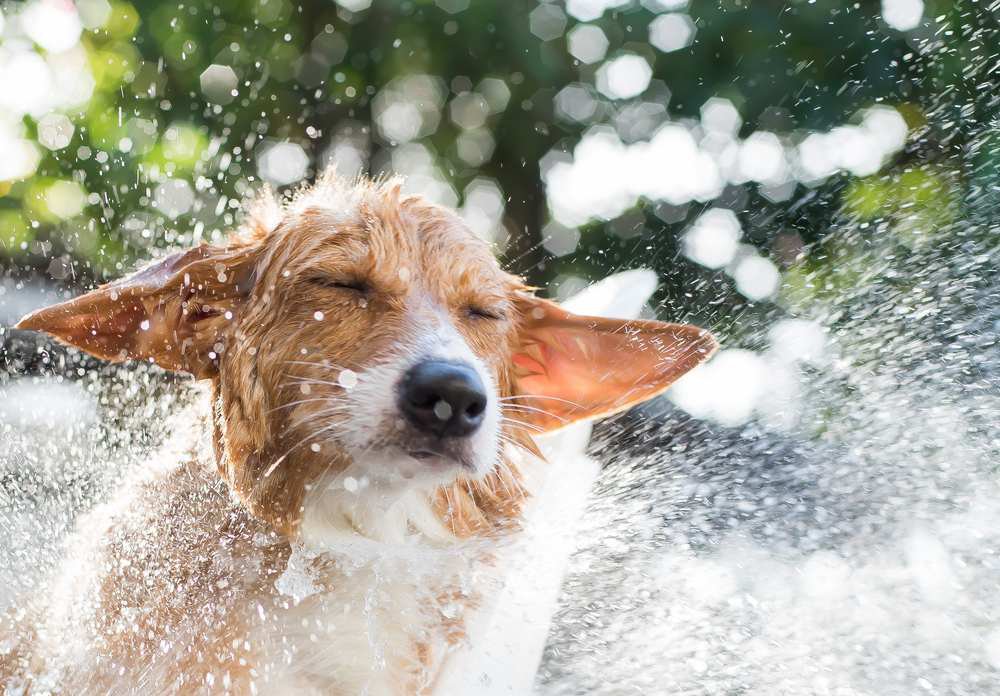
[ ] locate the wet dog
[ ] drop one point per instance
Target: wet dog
(376, 380)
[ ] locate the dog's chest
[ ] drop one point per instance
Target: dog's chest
(375, 627)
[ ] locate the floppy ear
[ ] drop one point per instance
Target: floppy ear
(175, 312)
(574, 367)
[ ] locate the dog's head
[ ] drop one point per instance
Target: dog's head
(358, 331)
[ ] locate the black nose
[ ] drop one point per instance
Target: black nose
(442, 398)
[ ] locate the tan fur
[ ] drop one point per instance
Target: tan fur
(444, 266)
(174, 583)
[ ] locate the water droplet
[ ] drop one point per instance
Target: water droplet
(318, 315)
(443, 410)
(348, 379)
(314, 447)
(144, 325)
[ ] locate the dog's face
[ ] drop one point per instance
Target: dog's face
(359, 333)
(392, 326)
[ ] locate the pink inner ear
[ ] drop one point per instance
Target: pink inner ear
(526, 362)
(577, 368)
(564, 366)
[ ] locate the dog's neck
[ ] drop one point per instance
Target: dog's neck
(341, 509)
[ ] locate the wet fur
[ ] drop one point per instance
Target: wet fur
(176, 585)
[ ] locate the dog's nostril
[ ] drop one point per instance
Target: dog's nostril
(443, 398)
(476, 408)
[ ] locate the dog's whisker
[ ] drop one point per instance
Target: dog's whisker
(274, 465)
(522, 424)
(540, 396)
(324, 363)
(531, 409)
(313, 380)
(310, 380)
(503, 467)
(309, 437)
(299, 402)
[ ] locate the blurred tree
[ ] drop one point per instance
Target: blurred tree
(192, 103)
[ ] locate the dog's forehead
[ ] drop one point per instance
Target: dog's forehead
(415, 238)
(449, 249)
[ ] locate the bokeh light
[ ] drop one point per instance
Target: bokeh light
(814, 182)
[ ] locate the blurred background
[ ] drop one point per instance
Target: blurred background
(580, 137)
(815, 180)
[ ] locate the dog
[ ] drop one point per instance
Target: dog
(376, 382)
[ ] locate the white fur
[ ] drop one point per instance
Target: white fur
(400, 577)
(373, 431)
(398, 574)
(374, 572)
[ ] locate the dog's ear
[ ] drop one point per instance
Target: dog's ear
(175, 312)
(571, 367)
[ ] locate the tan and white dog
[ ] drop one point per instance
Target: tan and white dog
(376, 380)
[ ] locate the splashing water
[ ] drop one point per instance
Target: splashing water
(65, 444)
(852, 552)
(815, 512)
(848, 549)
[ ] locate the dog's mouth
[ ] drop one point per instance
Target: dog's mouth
(422, 454)
(435, 456)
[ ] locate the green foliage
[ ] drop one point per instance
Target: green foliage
(305, 70)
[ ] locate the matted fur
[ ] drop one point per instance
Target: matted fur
(308, 553)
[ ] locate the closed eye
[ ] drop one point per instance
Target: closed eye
(352, 284)
(478, 312)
